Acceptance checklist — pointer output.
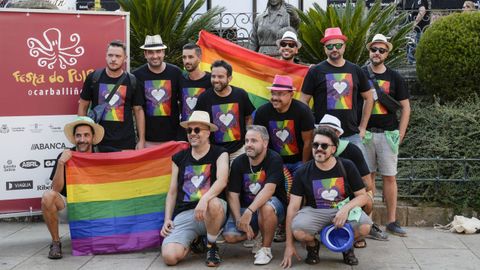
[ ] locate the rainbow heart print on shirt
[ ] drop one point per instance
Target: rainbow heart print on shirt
(328, 192)
(189, 100)
(283, 137)
(158, 94)
(378, 108)
(226, 117)
(252, 184)
(339, 91)
(115, 111)
(196, 182)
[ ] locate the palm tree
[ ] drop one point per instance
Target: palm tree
(167, 18)
(359, 24)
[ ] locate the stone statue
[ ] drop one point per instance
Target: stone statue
(270, 26)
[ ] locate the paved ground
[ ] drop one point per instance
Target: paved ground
(25, 246)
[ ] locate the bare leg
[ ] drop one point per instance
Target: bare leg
(173, 253)
(390, 194)
(214, 217)
(52, 202)
(267, 222)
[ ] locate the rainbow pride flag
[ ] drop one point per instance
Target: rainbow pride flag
(116, 201)
(251, 71)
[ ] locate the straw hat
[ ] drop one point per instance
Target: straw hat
(84, 120)
(289, 36)
(333, 33)
(379, 38)
(153, 43)
(282, 83)
(201, 117)
(333, 122)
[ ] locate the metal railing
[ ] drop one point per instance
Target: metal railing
(432, 172)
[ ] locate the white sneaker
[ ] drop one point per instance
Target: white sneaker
(263, 256)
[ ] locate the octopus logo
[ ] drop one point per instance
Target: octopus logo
(51, 51)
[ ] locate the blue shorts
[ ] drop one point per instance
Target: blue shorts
(231, 227)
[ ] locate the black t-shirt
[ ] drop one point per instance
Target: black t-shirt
(391, 83)
(325, 189)
(229, 114)
(334, 91)
(353, 153)
(249, 181)
(96, 149)
(118, 119)
(286, 128)
(162, 94)
(426, 18)
(195, 177)
(191, 89)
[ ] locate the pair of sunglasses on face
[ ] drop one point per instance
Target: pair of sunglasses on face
(324, 146)
(337, 46)
(195, 130)
(380, 50)
(288, 44)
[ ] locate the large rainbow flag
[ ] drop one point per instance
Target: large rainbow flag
(252, 71)
(116, 201)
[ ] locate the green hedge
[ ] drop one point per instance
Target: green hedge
(448, 56)
(445, 131)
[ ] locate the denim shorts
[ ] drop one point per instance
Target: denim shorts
(278, 207)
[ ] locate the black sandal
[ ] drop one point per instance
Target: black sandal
(312, 253)
(360, 244)
(349, 257)
(55, 252)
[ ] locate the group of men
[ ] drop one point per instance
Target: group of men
(231, 180)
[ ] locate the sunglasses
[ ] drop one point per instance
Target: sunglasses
(380, 50)
(324, 146)
(288, 44)
(337, 46)
(195, 130)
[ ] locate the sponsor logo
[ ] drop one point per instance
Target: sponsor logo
(18, 129)
(29, 164)
(49, 163)
(17, 185)
(54, 128)
(4, 129)
(43, 187)
(48, 146)
(35, 128)
(9, 167)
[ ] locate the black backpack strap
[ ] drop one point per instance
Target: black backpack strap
(344, 174)
(133, 80)
(96, 76)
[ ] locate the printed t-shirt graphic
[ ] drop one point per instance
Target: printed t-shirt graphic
(196, 182)
(226, 117)
(189, 98)
(116, 106)
(378, 108)
(252, 184)
(158, 94)
(339, 91)
(283, 136)
(328, 192)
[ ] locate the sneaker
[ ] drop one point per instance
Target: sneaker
(258, 245)
(213, 258)
(312, 253)
(199, 245)
(55, 250)
(377, 233)
(263, 256)
(280, 234)
(349, 257)
(394, 228)
(251, 243)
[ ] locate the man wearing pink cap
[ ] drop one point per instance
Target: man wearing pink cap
(334, 85)
(289, 122)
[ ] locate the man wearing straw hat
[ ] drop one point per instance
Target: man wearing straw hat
(160, 83)
(85, 135)
(288, 46)
(384, 132)
(195, 203)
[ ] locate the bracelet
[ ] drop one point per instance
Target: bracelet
(248, 208)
